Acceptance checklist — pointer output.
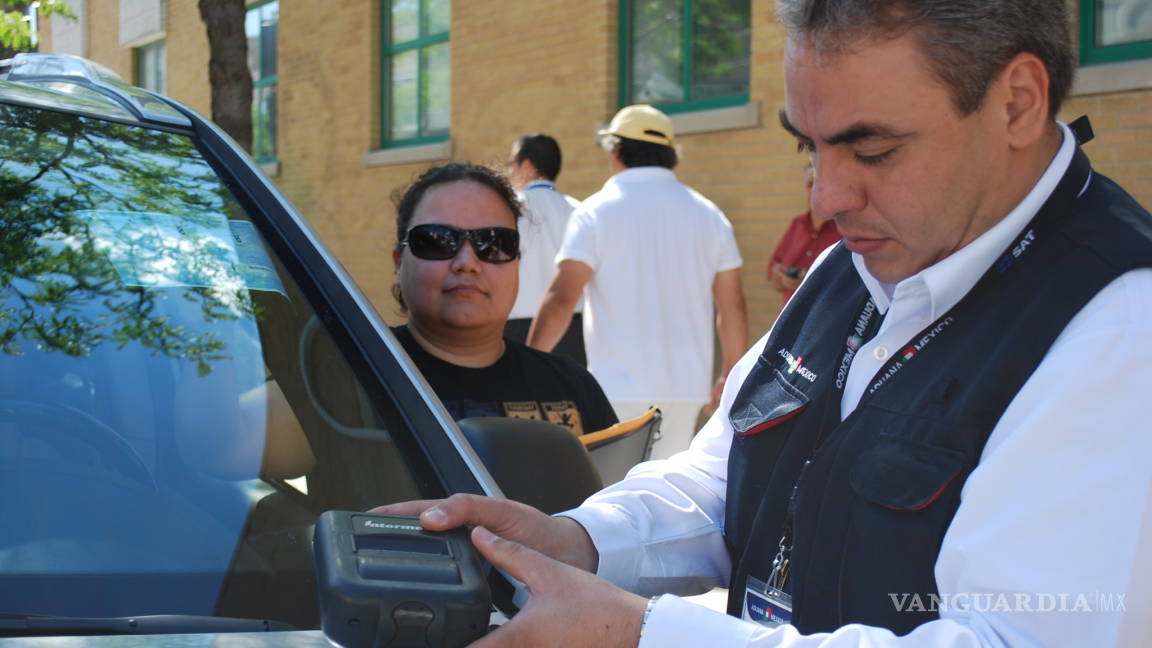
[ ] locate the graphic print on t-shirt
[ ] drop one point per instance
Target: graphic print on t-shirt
(522, 410)
(564, 413)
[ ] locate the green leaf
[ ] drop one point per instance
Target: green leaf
(56, 8)
(15, 32)
(16, 28)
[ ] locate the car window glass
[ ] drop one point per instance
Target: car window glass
(173, 412)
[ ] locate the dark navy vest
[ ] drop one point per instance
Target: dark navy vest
(883, 485)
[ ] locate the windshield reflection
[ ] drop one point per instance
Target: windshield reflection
(162, 378)
(134, 395)
(95, 214)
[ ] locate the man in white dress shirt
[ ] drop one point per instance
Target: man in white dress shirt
(533, 167)
(943, 439)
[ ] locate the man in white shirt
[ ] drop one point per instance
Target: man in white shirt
(962, 459)
(659, 265)
(533, 168)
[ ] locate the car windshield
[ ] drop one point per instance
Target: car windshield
(173, 411)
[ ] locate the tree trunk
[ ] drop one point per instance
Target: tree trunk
(228, 72)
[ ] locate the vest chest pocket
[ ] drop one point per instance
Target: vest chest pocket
(766, 399)
(907, 492)
(905, 475)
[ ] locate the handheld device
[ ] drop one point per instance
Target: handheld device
(385, 581)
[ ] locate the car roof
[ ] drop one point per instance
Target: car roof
(72, 84)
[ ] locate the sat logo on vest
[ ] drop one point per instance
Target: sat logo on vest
(796, 365)
(1017, 250)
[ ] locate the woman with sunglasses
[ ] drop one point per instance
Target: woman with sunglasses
(457, 264)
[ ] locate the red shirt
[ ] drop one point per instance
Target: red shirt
(802, 243)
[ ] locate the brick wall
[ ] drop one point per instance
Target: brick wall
(328, 94)
(187, 51)
(104, 37)
(517, 67)
(1122, 149)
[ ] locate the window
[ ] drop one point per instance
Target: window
(150, 65)
(416, 72)
(684, 55)
(1115, 30)
(142, 21)
(260, 28)
(71, 36)
(32, 17)
(160, 373)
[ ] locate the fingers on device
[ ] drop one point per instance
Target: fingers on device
(385, 581)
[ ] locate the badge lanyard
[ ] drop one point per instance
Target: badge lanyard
(867, 324)
(767, 603)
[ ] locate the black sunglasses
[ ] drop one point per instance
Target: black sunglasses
(442, 242)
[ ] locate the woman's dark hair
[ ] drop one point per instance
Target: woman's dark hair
(406, 198)
(634, 153)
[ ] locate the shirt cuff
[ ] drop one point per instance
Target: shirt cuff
(615, 539)
(731, 265)
(566, 255)
(676, 622)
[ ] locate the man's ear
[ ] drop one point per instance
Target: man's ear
(395, 260)
(615, 162)
(1024, 89)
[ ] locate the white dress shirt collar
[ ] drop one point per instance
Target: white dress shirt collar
(952, 277)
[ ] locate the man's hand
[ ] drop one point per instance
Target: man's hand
(781, 279)
(773, 274)
(559, 538)
(567, 606)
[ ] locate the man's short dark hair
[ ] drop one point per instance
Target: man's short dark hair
(967, 42)
(543, 152)
(634, 153)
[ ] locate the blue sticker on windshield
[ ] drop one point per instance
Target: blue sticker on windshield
(255, 265)
(194, 249)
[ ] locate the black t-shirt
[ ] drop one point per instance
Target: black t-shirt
(523, 383)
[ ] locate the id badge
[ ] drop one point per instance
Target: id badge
(766, 605)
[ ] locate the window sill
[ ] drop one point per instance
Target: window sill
(147, 38)
(711, 120)
(717, 119)
(405, 154)
(1112, 77)
(271, 168)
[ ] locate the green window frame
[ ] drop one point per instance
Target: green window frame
(1099, 16)
(705, 46)
(148, 65)
(415, 75)
(261, 25)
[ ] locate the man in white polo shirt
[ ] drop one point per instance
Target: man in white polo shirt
(658, 264)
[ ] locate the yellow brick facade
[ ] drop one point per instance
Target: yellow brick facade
(517, 67)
